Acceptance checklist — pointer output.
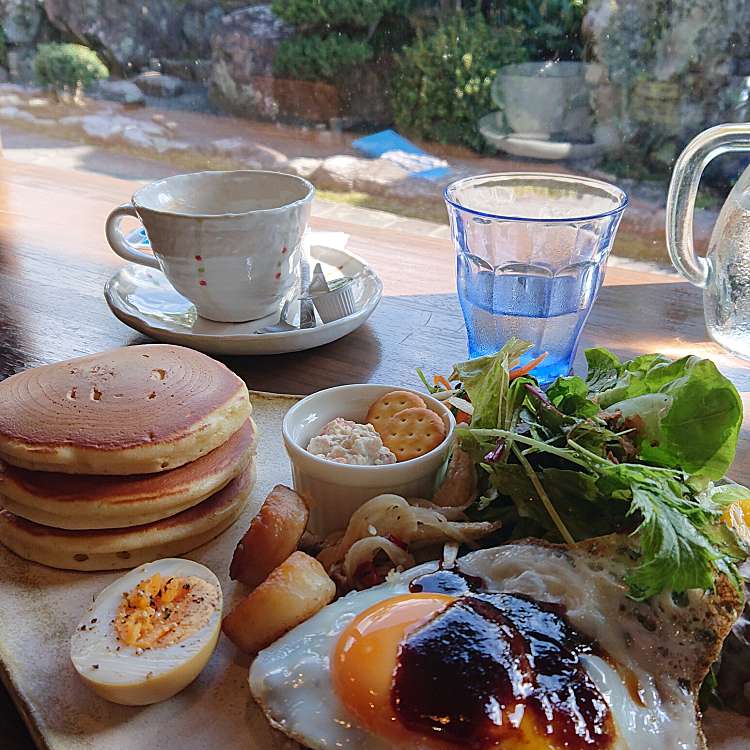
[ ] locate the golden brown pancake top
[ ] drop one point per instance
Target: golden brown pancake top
(214, 504)
(135, 487)
(124, 398)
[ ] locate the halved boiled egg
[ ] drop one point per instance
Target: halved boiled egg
(150, 633)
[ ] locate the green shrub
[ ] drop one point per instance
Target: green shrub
(551, 29)
(3, 49)
(335, 37)
(441, 87)
(316, 58)
(67, 66)
(324, 14)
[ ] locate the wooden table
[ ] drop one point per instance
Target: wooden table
(54, 261)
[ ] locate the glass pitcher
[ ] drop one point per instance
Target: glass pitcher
(724, 274)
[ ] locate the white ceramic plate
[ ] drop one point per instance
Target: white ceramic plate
(142, 298)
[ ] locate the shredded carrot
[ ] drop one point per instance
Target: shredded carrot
(440, 380)
(463, 418)
(528, 367)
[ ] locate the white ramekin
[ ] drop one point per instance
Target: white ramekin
(336, 304)
(333, 490)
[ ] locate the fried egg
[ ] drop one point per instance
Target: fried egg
(396, 667)
(150, 633)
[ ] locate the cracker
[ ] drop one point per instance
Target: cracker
(392, 403)
(412, 432)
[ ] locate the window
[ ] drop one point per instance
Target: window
(597, 87)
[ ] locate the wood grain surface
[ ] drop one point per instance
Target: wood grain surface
(54, 261)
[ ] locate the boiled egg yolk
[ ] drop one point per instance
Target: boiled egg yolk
(737, 517)
(159, 612)
(364, 659)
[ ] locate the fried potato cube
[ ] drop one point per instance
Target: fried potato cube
(293, 593)
(273, 535)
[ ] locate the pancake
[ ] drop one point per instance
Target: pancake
(133, 410)
(112, 549)
(79, 501)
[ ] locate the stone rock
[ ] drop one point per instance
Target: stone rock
(595, 74)
(187, 69)
(21, 64)
(691, 45)
(21, 20)
(251, 164)
(129, 37)
(341, 172)
(14, 113)
(10, 100)
(268, 157)
(100, 126)
(104, 126)
(199, 22)
(71, 120)
(159, 84)
(229, 146)
(381, 177)
(243, 47)
(248, 151)
(304, 166)
(125, 92)
(112, 127)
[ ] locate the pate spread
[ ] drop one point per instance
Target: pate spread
(348, 442)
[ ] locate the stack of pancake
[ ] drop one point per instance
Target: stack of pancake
(119, 458)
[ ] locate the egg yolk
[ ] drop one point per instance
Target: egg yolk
(737, 517)
(159, 613)
(364, 658)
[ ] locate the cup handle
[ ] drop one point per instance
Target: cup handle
(117, 240)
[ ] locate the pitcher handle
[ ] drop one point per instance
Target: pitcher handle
(683, 189)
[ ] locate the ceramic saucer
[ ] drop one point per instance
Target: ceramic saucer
(143, 299)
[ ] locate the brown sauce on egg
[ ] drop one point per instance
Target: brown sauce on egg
(446, 581)
(494, 666)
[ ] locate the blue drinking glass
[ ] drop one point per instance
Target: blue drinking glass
(531, 251)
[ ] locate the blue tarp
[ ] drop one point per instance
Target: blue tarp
(388, 144)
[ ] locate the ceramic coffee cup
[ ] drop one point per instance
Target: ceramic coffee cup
(228, 241)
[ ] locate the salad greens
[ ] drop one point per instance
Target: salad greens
(632, 448)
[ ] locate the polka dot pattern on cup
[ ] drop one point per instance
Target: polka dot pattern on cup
(280, 263)
(201, 270)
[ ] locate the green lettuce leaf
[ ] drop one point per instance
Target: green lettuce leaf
(688, 415)
(611, 380)
(487, 382)
(603, 369)
(676, 531)
(571, 396)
